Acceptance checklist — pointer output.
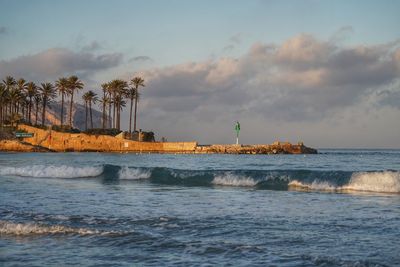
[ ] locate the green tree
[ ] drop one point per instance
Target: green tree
(48, 92)
(73, 84)
(62, 85)
(31, 91)
(3, 102)
(119, 88)
(9, 82)
(92, 99)
(21, 86)
(85, 98)
(103, 103)
(136, 82)
(131, 94)
(38, 101)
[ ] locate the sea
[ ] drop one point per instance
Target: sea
(337, 208)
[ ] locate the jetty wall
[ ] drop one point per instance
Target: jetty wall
(17, 146)
(58, 141)
(49, 140)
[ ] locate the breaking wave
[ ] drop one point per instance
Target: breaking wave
(383, 182)
(52, 171)
(126, 173)
(338, 181)
(231, 179)
(29, 229)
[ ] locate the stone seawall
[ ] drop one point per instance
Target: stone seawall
(275, 148)
(65, 142)
(48, 140)
(17, 146)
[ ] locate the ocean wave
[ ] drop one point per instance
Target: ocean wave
(126, 173)
(230, 179)
(28, 229)
(379, 182)
(53, 171)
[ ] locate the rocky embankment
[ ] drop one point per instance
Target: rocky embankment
(50, 140)
(18, 146)
(275, 148)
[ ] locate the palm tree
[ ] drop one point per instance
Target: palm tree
(119, 91)
(38, 100)
(31, 91)
(104, 103)
(85, 98)
(92, 99)
(3, 96)
(62, 85)
(131, 94)
(73, 84)
(48, 92)
(9, 83)
(110, 92)
(21, 85)
(136, 83)
(14, 97)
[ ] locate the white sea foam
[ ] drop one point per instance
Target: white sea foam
(380, 182)
(387, 181)
(26, 229)
(315, 185)
(126, 173)
(52, 171)
(230, 179)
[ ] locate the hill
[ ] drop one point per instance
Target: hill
(53, 115)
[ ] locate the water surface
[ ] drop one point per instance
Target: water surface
(337, 208)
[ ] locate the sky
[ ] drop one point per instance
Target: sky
(326, 73)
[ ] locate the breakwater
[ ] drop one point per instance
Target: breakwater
(50, 140)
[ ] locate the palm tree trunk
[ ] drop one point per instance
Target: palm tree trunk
(91, 117)
(104, 110)
(62, 109)
(130, 117)
(70, 108)
(118, 126)
(114, 121)
(1, 115)
(44, 110)
(30, 110)
(37, 111)
(109, 115)
(134, 122)
(86, 116)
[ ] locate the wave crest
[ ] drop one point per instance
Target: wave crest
(53, 171)
(126, 173)
(231, 179)
(387, 182)
(379, 182)
(27, 229)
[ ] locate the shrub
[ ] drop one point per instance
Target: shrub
(100, 131)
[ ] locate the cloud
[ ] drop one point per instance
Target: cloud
(342, 34)
(3, 30)
(233, 41)
(228, 48)
(140, 59)
(303, 80)
(50, 64)
(93, 46)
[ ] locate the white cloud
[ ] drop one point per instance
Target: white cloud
(303, 81)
